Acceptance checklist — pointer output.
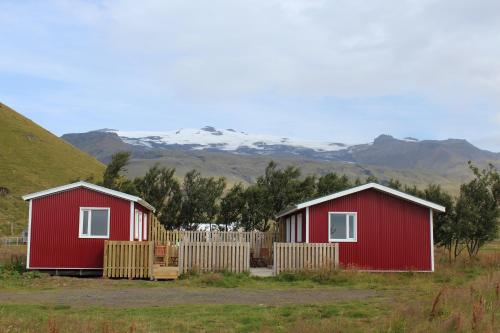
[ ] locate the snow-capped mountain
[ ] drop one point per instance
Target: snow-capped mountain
(210, 138)
(385, 150)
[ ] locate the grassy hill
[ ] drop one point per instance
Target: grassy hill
(241, 168)
(32, 159)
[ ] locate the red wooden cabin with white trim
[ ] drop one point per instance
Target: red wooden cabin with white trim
(68, 225)
(377, 227)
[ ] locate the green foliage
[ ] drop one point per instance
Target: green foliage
(113, 177)
(331, 183)
(477, 211)
(200, 199)
(160, 189)
(444, 234)
(232, 206)
(395, 184)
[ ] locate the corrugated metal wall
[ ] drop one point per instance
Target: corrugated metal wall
(54, 229)
(392, 234)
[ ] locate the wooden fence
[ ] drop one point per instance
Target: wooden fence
(214, 256)
(257, 239)
(125, 259)
(293, 257)
(12, 241)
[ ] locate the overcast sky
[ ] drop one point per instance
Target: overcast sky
(335, 70)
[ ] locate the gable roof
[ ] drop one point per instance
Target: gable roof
(360, 188)
(89, 186)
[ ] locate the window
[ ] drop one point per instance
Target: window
(292, 229)
(342, 227)
(94, 223)
(299, 228)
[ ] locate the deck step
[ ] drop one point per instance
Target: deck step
(165, 272)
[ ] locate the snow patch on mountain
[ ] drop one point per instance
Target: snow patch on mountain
(210, 137)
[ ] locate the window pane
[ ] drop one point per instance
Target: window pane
(85, 223)
(351, 226)
(99, 223)
(338, 226)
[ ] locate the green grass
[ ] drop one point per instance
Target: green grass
(192, 318)
(403, 303)
(32, 159)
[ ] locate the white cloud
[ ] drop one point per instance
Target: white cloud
(223, 55)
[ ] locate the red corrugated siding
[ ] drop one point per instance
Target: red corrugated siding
(54, 229)
(393, 234)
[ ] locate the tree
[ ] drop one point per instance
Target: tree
(444, 224)
(160, 188)
(231, 206)
(331, 183)
(371, 179)
(280, 188)
(395, 184)
(254, 216)
(477, 211)
(113, 177)
(200, 199)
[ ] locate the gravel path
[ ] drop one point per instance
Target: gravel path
(144, 297)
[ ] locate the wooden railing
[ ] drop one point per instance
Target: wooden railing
(12, 241)
(294, 257)
(125, 259)
(257, 239)
(214, 257)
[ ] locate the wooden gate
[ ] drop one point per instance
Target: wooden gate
(294, 257)
(125, 259)
(214, 257)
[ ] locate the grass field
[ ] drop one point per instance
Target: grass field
(32, 159)
(461, 297)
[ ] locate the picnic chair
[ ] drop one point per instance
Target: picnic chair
(261, 260)
(161, 255)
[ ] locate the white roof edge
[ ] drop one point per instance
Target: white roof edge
(90, 186)
(356, 189)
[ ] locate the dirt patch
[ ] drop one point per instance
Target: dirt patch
(145, 297)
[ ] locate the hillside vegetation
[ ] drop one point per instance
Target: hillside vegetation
(32, 159)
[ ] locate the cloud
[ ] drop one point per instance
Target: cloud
(244, 60)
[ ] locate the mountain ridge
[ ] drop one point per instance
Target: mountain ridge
(412, 161)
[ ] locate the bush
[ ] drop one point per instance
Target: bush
(15, 265)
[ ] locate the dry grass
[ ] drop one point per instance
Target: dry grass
(12, 253)
(459, 297)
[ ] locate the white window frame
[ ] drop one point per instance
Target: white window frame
(80, 226)
(355, 233)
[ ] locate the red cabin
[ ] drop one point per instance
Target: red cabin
(377, 227)
(68, 225)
